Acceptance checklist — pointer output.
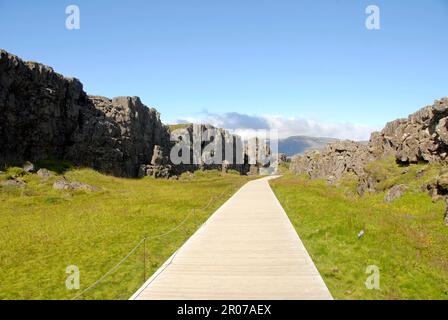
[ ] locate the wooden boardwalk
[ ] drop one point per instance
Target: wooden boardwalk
(248, 249)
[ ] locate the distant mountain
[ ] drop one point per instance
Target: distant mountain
(299, 144)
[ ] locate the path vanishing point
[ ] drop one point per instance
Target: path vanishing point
(248, 249)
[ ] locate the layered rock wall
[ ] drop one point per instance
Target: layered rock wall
(39, 110)
(233, 153)
(422, 137)
(45, 115)
(332, 162)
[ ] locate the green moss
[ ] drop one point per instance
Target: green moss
(207, 173)
(349, 183)
(14, 172)
(388, 173)
(283, 167)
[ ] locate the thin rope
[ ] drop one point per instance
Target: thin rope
(140, 243)
(110, 271)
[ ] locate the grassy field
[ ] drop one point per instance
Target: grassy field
(406, 239)
(42, 230)
(174, 127)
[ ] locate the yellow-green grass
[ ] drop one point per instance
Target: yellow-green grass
(283, 167)
(177, 126)
(406, 239)
(44, 230)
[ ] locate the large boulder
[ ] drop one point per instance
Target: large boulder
(44, 173)
(157, 156)
(394, 193)
(64, 184)
(159, 167)
(29, 167)
(13, 183)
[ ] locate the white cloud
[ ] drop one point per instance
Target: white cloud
(246, 125)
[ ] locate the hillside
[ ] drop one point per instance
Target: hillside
(299, 144)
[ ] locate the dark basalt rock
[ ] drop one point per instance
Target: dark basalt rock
(45, 115)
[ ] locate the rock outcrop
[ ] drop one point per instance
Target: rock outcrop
(422, 137)
(332, 162)
(13, 183)
(64, 184)
(29, 167)
(40, 110)
(117, 136)
(159, 166)
(45, 115)
(220, 150)
(44, 173)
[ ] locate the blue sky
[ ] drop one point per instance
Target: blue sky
(309, 66)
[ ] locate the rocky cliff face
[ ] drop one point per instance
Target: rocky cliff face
(117, 135)
(210, 138)
(45, 115)
(234, 153)
(39, 110)
(422, 137)
(332, 162)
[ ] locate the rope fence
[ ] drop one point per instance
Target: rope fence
(143, 242)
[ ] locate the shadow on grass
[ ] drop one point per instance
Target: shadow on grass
(58, 166)
(55, 165)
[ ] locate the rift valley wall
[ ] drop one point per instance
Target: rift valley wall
(422, 137)
(44, 115)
